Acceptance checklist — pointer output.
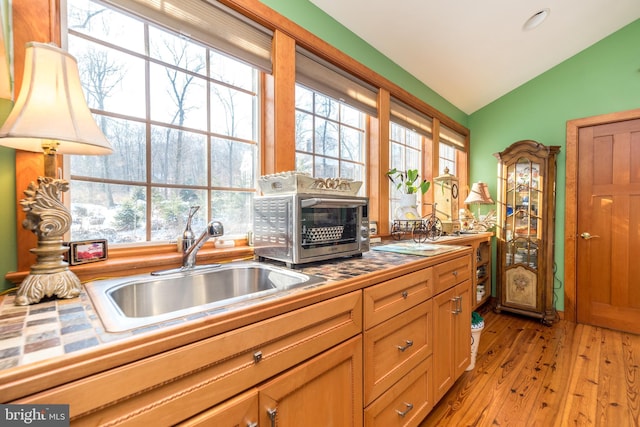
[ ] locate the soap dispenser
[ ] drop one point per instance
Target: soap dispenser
(188, 238)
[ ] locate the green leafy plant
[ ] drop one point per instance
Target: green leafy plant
(408, 182)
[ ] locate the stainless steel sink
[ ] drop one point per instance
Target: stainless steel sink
(136, 301)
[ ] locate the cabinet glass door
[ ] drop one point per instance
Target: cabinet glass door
(523, 226)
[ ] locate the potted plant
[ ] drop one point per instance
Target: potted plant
(408, 183)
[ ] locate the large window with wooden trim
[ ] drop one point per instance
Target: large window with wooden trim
(181, 113)
(143, 187)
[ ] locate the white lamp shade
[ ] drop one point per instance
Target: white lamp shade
(479, 194)
(51, 107)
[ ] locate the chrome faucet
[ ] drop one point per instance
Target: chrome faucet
(214, 229)
(188, 238)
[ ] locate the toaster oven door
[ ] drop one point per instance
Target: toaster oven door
(330, 226)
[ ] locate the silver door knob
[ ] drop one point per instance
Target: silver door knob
(587, 236)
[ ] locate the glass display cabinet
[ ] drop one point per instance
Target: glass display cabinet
(526, 227)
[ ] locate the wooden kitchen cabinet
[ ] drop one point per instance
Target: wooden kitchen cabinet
(526, 229)
(175, 385)
(397, 350)
(241, 410)
(451, 329)
(481, 283)
(480, 244)
(406, 403)
(361, 356)
(325, 391)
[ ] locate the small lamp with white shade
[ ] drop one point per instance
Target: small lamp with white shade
(51, 116)
(479, 195)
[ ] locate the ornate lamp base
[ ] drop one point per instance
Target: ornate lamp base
(34, 287)
(49, 219)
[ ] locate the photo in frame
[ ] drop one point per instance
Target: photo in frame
(87, 251)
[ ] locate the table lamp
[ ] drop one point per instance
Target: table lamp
(50, 116)
(479, 195)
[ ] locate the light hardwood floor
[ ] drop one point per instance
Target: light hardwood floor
(527, 374)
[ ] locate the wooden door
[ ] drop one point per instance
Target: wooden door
(608, 226)
(326, 391)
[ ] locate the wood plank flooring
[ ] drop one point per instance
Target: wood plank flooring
(528, 374)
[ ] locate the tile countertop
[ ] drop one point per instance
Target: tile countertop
(57, 327)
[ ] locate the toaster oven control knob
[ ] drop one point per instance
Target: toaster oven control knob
(364, 232)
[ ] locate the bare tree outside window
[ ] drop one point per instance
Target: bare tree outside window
(182, 119)
(330, 137)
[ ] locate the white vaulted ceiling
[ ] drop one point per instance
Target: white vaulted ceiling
(472, 52)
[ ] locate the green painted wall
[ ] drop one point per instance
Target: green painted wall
(603, 78)
(8, 256)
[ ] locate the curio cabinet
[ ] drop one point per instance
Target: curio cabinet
(525, 231)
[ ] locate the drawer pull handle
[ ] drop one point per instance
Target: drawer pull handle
(408, 343)
(455, 273)
(257, 356)
(458, 305)
(406, 411)
(405, 294)
(252, 424)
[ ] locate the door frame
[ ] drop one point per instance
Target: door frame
(571, 201)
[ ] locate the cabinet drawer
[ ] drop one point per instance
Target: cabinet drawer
(175, 385)
(238, 411)
(393, 348)
(385, 300)
(405, 404)
(450, 273)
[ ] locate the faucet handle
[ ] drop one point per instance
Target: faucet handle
(215, 229)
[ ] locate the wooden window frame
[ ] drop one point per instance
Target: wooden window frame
(39, 20)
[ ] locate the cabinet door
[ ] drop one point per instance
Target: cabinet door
(523, 225)
(239, 411)
(325, 391)
(451, 336)
(462, 328)
(444, 305)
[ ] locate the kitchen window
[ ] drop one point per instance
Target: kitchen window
(452, 146)
(332, 107)
(330, 137)
(410, 139)
(181, 113)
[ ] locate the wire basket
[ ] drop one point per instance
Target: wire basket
(323, 234)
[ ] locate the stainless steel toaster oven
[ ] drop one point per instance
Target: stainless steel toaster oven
(302, 228)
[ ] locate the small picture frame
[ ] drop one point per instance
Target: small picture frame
(87, 251)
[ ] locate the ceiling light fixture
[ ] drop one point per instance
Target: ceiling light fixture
(536, 20)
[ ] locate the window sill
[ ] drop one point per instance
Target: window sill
(129, 261)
